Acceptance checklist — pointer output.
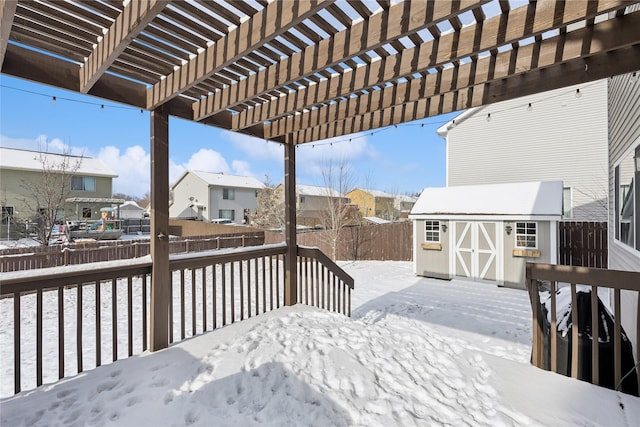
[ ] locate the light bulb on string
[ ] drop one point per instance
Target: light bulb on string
(578, 93)
(53, 100)
(530, 107)
(634, 76)
(489, 117)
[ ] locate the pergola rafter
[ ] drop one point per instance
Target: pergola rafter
(539, 17)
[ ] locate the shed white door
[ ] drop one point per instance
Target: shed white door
(476, 251)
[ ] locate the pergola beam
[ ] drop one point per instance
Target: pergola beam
(576, 71)
(7, 12)
(275, 19)
(533, 19)
(381, 28)
(135, 16)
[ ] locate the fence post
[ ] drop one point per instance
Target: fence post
(65, 253)
(243, 241)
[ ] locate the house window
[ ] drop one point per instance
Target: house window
(302, 199)
(7, 214)
(83, 183)
(627, 201)
(228, 194)
(432, 231)
(86, 212)
(526, 235)
(227, 214)
(567, 207)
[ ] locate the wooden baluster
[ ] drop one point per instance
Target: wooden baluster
(595, 337)
(264, 284)
(114, 318)
(171, 307)
(317, 283)
(39, 337)
(617, 347)
(257, 289)
(203, 286)
(130, 314)
(249, 288)
(224, 294)
(193, 302)
(182, 327)
(554, 329)
(233, 295)
(241, 272)
(60, 332)
(16, 343)
(574, 332)
(79, 326)
(278, 295)
(214, 295)
(99, 325)
(271, 282)
(144, 311)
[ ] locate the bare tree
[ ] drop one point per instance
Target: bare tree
(270, 212)
(46, 194)
(338, 178)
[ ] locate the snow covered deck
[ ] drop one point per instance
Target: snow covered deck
(416, 352)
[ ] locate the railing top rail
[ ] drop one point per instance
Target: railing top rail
(616, 279)
(51, 277)
(220, 256)
(327, 262)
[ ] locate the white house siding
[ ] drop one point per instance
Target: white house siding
(190, 185)
(245, 198)
(562, 137)
(624, 132)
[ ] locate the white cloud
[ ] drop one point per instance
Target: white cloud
(240, 167)
(132, 166)
(343, 149)
(256, 148)
(207, 160)
(42, 143)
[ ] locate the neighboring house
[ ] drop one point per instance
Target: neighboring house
(205, 196)
(22, 169)
(374, 203)
(130, 209)
(314, 202)
(553, 135)
(486, 232)
(404, 204)
(624, 189)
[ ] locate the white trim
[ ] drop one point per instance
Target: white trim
(616, 220)
(500, 249)
(511, 218)
(438, 230)
(415, 247)
(515, 235)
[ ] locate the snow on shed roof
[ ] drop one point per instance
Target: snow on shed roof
(312, 190)
(13, 158)
(526, 198)
(224, 180)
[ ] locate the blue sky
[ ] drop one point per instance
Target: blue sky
(399, 160)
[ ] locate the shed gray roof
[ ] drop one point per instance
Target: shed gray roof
(542, 198)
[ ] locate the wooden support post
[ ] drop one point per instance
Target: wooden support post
(160, 274)
(291, 272)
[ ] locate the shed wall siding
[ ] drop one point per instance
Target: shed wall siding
(429, 262)
(514, 266)
(562, 138)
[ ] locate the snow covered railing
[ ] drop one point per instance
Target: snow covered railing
(67, 319)
(555, 291)
(322, 283)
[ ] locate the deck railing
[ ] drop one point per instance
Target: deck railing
(79, 314)
(545, 330)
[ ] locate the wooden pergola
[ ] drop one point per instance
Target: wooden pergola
(300, 71)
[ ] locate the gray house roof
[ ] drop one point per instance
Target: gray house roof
(12, 158)
(223, 180)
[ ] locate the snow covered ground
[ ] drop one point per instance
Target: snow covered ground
(416, 352)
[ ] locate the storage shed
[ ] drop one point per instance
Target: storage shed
(486, 232)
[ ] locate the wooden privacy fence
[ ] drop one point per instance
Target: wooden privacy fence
(384, 242)
(583, 244)
(95, 314)
(583, 359)
(58, 255)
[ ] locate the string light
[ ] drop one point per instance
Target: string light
(530, 107)
(489, 117)
(53, 101)
(578, 93)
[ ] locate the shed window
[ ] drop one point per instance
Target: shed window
(526, 235)
(228, 194)
(432, 231)
(83, 183)
(627, 200)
